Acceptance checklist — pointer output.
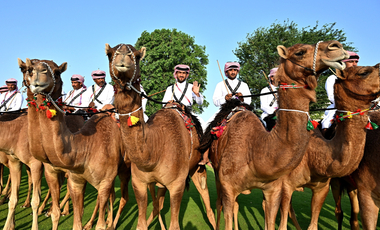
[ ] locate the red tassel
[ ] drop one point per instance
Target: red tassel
(315, 123)
(48, 114)
(369, 126)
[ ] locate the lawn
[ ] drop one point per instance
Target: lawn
(192, 215)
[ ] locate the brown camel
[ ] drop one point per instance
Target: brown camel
(367, 176)
(355, 89)
(246, 156)
(93, 154)
(14, 142)
(162, 150)
(338, 186)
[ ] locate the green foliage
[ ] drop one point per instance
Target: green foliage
(258, 53)
(166, 49)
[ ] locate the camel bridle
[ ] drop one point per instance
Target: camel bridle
(48, 95)
(314, 60)
(129, 84)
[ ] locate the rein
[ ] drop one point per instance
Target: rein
(314, 60)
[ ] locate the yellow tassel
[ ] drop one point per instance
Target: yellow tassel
(132, 120)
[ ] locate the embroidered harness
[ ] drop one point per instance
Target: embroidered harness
(218, 130)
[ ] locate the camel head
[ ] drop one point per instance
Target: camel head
(361, 83)
(303, 63)
(124, 63)
(43, 76)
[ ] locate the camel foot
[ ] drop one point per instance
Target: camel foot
(25, 206)
(88, 226)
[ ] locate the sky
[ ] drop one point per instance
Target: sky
(76, 31)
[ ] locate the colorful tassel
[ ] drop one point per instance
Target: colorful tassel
(132, 120)
(51, 113)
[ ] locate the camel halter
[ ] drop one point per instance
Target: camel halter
(129, 84)
(48, 95)
(311, 124)
(314, 60)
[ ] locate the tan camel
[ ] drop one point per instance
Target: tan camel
(90, 155)
(367, 176)
(355, 89)
(14, 142)
(162, 150)
(246, 156)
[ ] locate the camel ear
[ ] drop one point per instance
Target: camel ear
(28, 62)
(108, 48)
(311, 81)
(63, 67)
(282, 51)
(21, 64)
(142, 53)
(340, 74)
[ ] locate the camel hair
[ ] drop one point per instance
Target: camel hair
(162, 150)
(93, 154)
(354, 90)
(246, 156)
(367, 176)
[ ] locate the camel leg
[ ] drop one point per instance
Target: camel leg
(368, 209)
(36, 177)
(318, 198)
(27, 201)
(112, 198)
(337, 192)
(354, 221)
(199, 177)
(89, 224)
(15, 174)
(52, 179)
(158, 204)
(7, 194)
(140, 190)
(1, 178)
(176, 193)
(65, 204)
(286, 207)
(228, 202)
(125, 177)
(77, 187)
(43, 205)
(219, 205)
(272, 204)
(292, 215)
(236, 212)
(7, 186)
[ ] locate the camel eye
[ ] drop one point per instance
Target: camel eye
(300, 53)
(363, 74)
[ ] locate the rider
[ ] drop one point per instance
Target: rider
(74, 98)
(12, 99)
(268, 103)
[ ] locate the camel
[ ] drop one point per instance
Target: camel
(338, 186)
(367, 177)
(163, 150)
(355, 89)
(14, 142)
(93, 154)
(246, 156)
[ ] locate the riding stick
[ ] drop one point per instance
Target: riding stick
(223, 78)
(270, 85)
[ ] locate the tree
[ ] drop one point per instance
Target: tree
(258, 53)
(166, 49)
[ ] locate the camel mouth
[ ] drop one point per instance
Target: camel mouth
(335, 64)
(122, 68)
(35, 88)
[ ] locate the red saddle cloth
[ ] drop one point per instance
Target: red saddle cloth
(218, 130)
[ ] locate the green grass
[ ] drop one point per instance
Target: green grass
(192, 215)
